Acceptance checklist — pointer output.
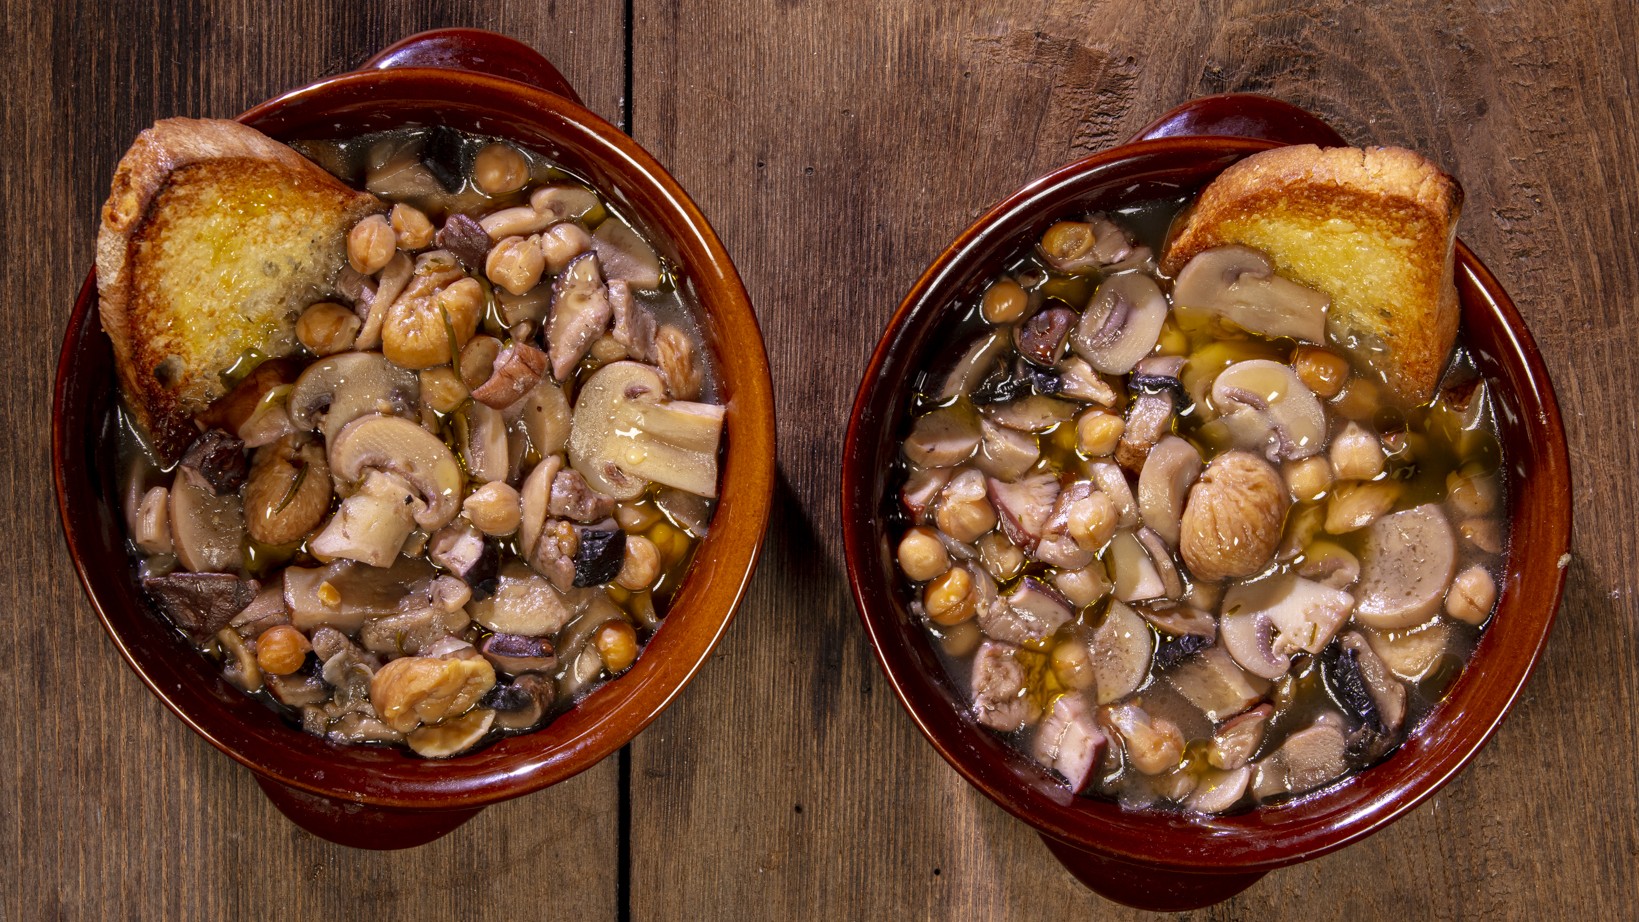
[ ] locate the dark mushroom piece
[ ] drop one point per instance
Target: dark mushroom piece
(521, 704)
(201, 603)
(1041, 338)
(516, 654)
(466, 240)
(600, 553)
(1157, 397)
(219, 458)
(1362, 684)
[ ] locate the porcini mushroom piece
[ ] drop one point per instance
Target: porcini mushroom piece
(515, 654)
(1216, 790)
(1121, 324)
(1238, 739)
(976, 362)
(451, 736)
(516, 371)
(207, 530)
(1157, 396)
(942, 438)
(401, 447)
(1121, 647)
(1069, 742)
(1030, 614)
(1310, 758)
(1212, 681)
(1239, 284)
(343, 595)
(372, 524)
(1041, 338)
(1265, 407)
(1406, 564)
(1163, 485)
(1005, 453)
(1023, 506)
(1264, 624)
(1035, 413)
(200, 603)
(338, 389)
(524, 603)
(626, 256)
(580, 314)
(625, 433)
(1136, 577)
(483, 438)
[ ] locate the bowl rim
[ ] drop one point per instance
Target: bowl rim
(711, 594)
(1082, 822)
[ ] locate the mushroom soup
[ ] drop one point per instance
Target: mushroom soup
(467, 501)
(1172, 544)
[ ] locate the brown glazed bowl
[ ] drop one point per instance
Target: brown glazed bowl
(1169, 861)
(382, 798)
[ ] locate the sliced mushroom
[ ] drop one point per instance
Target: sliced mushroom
(1329, 564)
(1029, 615)
(408, 633)
(1409, 655)
(1023, 506)
(207, 530)
(1237, 741)
(626, 256)
(372, 304)
(525, 604)
(1309, 759)
(545, 415)
(1212, 681)
(1069, 741)
(1163, 485)
(1000, 700)
(151, 528)
(1265, 407)
(580, 314)
(1406, 563)
(483, 438)
(1355, 505)
(516, 371)
(1217, 791)
(521, 704)
(1005, 453)
(1079, 381)
(200, 603)
(1183, 621)
(1157, 397)
(219, 458)
(1161, 558)
(1113, 484)
(922, 487)
(338, 389)
(534, 498)
(1122, 647)
(942, 438)
(1035, 413)
(1121, 324)
(1264, 624)
(624, 433)
(1239, 284)
(344, 595)
(239, 663)
(399, 446)
(451, 736)
(975, 363)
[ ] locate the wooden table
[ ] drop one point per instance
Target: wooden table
(836, 147)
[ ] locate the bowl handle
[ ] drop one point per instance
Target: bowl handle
(476, 50)
(1146, 887)
(1243, 115)
(362, 825)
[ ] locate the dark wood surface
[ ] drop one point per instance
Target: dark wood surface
(836, 147)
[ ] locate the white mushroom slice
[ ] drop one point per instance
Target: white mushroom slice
(580, 314)
(974, 364)
(942, 438)
(153, 522)
(1069, 742)
(564, 201)
(625, 255)
(207, 530)
(1265, 407)
(1264, 624)
(544, 413)
(1212, 681)
(1121, 648)
(535, 497)
(483, 442)
(1078, 381)
(401, 447)
(1234, 744)
(1029, 615)
(1036, 413)
(1329, 564)
(1152, 744)
(1023, 507)
(1161, 558)
(339, 389)
(1239, 284)
(922, 487)
(523, 603)
(1405, 566)
(1121, 323)
(1136, 576)
(1006, 453)
(624, 433)
(1000, 700)
(451, 737)
(1217, 791)
(372, 310)
(1113, 483)
(344, 595)
(1310, 758)
(372, 524)
(1163, 485)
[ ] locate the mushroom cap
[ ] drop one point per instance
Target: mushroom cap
(334, 391)
(1406, 563)
(1163, 485)
(624, 254)
(402, 447)
(1121, 324)
(1122, 647)
(1267, 407)
(1239, 283)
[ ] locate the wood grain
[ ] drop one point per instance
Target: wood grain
(837, 148)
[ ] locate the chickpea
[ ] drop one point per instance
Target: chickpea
(1098, 432)
(636, 518)
(616, 642)
(516, 264)
(1308, 479)
(1320, 370)
(1471, 596)
(965, 519)
(1470, 492)
(1484, 534)
(494, 507)
(1085, 586)
(562, 243)
(442, 390)
(412, 227)
(1004, 302)
(641, 566)
(1000, 556)
(950, 599)
(1067, 240)
(1356, 454)
(1073, 665)
(961, 640)
(500, 169)
(921, 555)
(281, 650)
(371, 245)
(327, 328)
(1093, 521)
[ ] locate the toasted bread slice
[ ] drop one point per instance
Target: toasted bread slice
(213, 240)
(1374, 229)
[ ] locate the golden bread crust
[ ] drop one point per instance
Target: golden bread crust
(213, 239)
(1373, 228)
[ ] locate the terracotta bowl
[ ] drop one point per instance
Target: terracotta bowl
(1166, 861)
(381, 798)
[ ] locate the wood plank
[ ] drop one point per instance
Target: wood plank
(113, 807)
(838, 147)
